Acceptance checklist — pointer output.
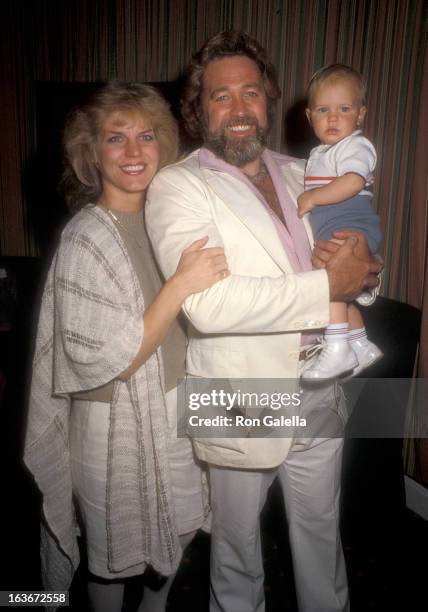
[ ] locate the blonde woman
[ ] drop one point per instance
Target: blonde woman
(101, 438)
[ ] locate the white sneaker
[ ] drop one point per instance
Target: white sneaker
(335, 359)
(367, 298)
(367, 354)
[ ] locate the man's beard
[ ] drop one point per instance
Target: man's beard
(237, 151)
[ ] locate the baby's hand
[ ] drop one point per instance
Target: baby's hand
(304, 203)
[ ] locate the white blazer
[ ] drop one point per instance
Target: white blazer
(249, 324)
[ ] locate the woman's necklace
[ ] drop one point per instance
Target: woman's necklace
(132, 233)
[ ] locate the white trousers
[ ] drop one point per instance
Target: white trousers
(310, 481)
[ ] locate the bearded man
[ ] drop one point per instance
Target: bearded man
(257, 322)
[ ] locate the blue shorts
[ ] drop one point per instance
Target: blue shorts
(354, 214)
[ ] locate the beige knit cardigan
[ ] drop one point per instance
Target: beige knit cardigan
(90, 329)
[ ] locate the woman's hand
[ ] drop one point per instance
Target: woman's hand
(199, 268)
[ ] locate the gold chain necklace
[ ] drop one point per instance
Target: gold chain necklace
(261, 174)
(119, 222)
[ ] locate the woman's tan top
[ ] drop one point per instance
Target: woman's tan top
(132, 230)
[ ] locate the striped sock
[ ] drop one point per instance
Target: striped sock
(337, 332)
(357, 334)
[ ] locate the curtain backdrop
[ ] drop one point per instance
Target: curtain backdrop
(151, 40)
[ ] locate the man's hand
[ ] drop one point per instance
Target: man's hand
(323, 252)
(304, 203)
(350, 266)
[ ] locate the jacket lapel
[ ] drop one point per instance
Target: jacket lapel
(247, 206)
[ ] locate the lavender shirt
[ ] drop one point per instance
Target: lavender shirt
(293, 237)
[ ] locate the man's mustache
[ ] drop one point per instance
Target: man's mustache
(237, 121)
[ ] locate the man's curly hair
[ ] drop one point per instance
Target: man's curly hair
(220, 46)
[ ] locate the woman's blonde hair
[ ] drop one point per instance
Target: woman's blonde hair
(81, 180)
